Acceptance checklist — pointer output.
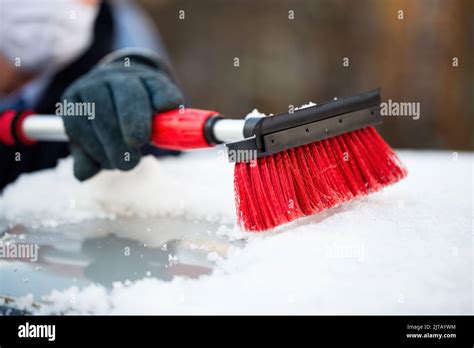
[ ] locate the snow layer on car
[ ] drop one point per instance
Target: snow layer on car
(197, 185)
(406, 249)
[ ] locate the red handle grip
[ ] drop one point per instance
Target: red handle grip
(11, 128)
(181, 129)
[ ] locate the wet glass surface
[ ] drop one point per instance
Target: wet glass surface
(106, 251)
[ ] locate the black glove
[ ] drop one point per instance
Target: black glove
(126, 90)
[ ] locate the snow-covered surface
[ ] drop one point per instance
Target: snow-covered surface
(197, 187)
(407, 249)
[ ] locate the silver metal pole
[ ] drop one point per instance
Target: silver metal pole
(229, 130)
(51, 128)
(44, 128)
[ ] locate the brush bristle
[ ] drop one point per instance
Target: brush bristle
(279, 188)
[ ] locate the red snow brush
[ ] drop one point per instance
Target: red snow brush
(311, 160)
(287, 166)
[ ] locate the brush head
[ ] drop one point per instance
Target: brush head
(310, 161)
(282, 187)
(266, 136)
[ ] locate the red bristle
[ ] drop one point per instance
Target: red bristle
(274, 195)
(279, 177)
(275, 177)
(318, 181)
(307, 179)
(301, 193)
(361, 158)
(262, 194)
(244, 198)
(312, 190)
(342, 185)
(358, 165)
(377, 167)
(353, 171)
(330, 171)
(393, 169)
(287, 185)
(257, 192)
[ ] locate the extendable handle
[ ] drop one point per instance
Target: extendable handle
(178, 129)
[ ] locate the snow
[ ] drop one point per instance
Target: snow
(308, 105)
(404, 250)
(255, 113)
(169, 187)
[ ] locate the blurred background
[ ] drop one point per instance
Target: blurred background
(284, 61)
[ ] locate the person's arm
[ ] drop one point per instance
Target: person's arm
(125, 89)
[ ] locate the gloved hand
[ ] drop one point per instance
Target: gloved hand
(126, 89)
